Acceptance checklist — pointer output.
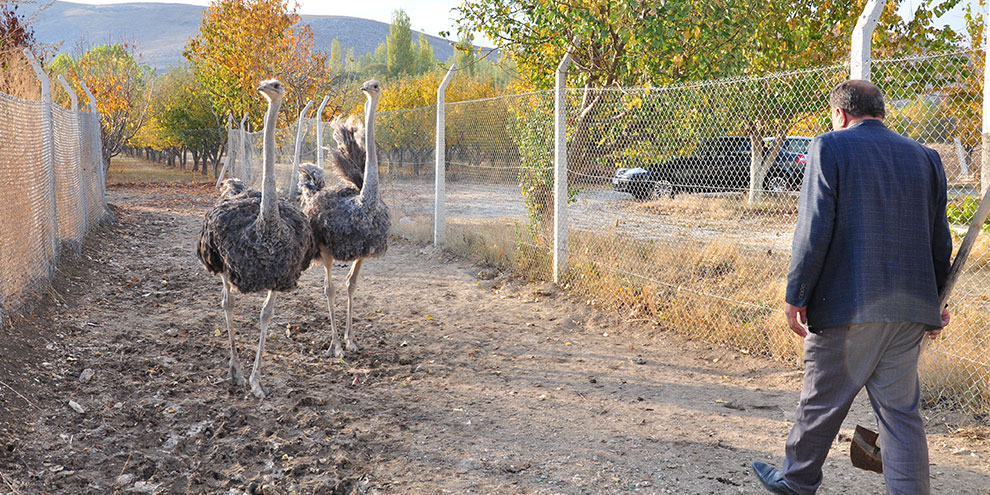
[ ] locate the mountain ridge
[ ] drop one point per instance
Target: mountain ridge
(160, 44)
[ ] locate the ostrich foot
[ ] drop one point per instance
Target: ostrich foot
(352, 347)
(236, 377)
(335, 350)
(256, 387)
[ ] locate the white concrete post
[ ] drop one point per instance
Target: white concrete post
(48, 144)
(295, 156)
(244, 157)
(961, 157)
(859, 56)
(89, 95)
(72, 94)
(227, 159)
(83, 199)
(560, 170)
(985, 129)
(440, 155)
(319, 132)
(98, 136)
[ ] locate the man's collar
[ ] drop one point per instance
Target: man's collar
(868, 123)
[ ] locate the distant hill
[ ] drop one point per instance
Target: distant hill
(160, 30)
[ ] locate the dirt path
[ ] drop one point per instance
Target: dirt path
(463, 386)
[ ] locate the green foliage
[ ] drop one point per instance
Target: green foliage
(961, 212)
(401, 54)
(532, 132)
(119, 85)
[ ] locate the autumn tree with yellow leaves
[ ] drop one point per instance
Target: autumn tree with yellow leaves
(120, 86)
(242, 42)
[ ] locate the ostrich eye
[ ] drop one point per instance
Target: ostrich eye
(277, 85)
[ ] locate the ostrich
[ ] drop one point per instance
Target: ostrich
(256, 242)
(349, 220)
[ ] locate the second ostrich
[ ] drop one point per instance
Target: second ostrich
(345, 210)
(256, 242)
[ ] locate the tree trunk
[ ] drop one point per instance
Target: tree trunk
(760, 163)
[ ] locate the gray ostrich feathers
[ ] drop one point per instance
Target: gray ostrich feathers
(345, 210)
(230, 243)
(256, 242)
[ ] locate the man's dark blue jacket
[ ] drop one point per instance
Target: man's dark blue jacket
(872, 241)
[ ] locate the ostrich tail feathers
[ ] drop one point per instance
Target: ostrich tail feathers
(348, 158)
(311, 179)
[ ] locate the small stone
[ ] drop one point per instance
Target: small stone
(86, 375)
(124, 480)
(77, 407)
(487, 274)
(144, 487)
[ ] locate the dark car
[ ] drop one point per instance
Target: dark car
(720, 164)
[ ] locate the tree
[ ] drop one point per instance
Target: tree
(16, 76)
(426, 60)
(632, 43)
(401, 57)
(118, 83)
(184, 117)
(242, 42)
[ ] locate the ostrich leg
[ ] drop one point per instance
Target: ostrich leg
(328, 291)
(351, 287)
(267, 311)
(235, 368)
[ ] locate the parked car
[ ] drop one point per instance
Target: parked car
(720, 164)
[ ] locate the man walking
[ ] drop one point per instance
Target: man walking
(871, 252)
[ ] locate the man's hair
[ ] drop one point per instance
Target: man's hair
(858, 98)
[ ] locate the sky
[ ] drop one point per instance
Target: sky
(434, 16)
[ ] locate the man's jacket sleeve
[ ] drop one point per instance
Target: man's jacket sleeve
(941, 238)
(816, 219)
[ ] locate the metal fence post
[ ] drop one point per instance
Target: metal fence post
(48, 144)
(859, 54)
(319, 132)
(72, 94)
(439, 188)
(560, 170)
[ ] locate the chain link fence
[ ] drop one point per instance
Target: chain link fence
(52, 172)
(682, 199)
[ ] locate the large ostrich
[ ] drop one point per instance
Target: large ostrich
(256, 241)
(349, 220)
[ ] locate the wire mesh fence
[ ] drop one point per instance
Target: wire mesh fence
(682, 200)
(51, 168)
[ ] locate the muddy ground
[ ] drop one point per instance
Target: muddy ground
(463, 385)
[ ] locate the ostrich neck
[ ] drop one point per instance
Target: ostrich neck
(269, 198)
(369, 191)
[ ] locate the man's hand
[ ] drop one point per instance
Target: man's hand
(797, 319)
(933, 334)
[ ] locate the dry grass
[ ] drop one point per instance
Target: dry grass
(718, 292)
(127, 170)
(779, 207)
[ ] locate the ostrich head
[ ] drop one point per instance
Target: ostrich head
(372, 88)
(272, 89)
